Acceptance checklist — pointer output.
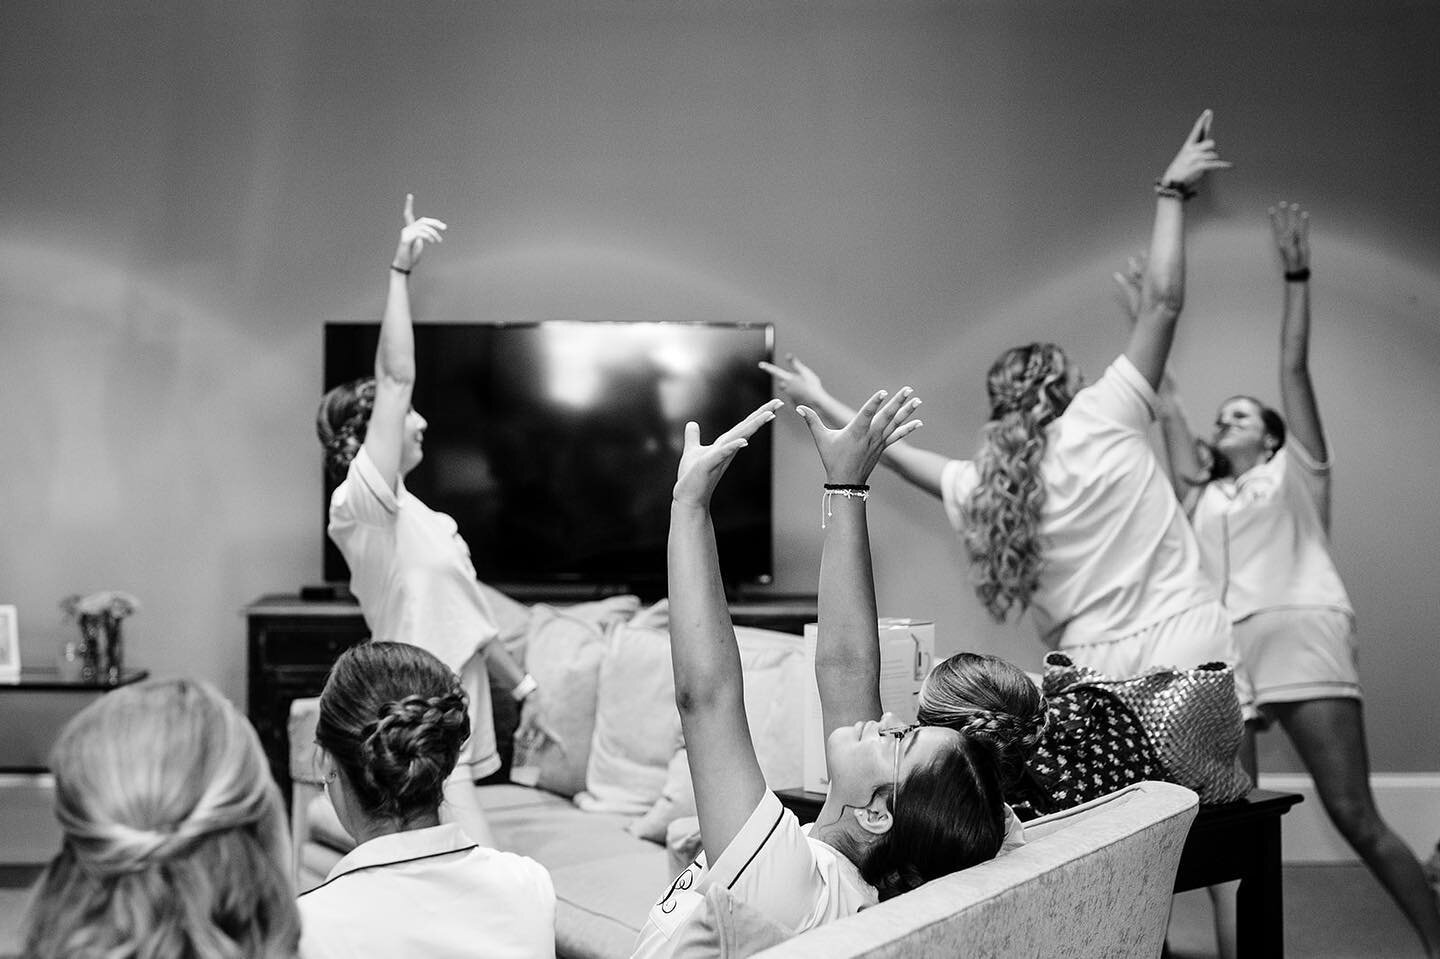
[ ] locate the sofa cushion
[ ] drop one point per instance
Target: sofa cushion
(563, 652)
(677, 800)
(637, 728)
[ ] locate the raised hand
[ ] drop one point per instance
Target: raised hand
(799, 383)
(1291, 228)
(702, 465)
(1197, 156)
(414, 235)
(849, 454)
(1129, 281)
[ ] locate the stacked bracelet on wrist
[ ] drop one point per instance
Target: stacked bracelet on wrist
(1297, 276)
(1173, 189)
(399, 269)
(848, 490)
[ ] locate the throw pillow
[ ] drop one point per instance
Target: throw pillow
(563, 653)
(677, 799)
(637, 728)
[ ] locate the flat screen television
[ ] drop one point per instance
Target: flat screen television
(554, 444)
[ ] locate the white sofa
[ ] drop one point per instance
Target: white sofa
(1093, 881)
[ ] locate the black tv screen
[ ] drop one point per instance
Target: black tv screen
(554, 445)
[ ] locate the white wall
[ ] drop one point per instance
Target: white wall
(904, 188)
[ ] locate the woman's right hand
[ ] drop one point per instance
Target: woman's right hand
(850, 453)
(1197, 157)
(414, 235)
(800, 383)
(702, 465)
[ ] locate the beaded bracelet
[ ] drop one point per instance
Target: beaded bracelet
(848, 490)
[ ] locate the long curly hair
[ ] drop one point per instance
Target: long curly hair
(341, 421)
(393, 717)
(175, 841)
(1029, 388)
(988, 698)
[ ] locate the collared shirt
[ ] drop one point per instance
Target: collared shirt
(773, 865)
(1118, 553)
(1263, 536)
(429, 892)
(412, 574)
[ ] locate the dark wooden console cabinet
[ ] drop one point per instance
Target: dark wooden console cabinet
(293, 642)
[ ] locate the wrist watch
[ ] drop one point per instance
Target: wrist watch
(524, 688)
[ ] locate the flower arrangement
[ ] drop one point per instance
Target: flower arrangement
(102, 649)
(113, 602)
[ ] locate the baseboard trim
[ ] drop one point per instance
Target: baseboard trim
(1409, 802)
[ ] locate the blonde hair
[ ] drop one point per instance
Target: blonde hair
(175, 843)
(1029, 388)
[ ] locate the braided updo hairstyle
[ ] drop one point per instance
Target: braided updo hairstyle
(1029, 388)
(393, 717)
(175, 840)
(341, 421)
(989, 699)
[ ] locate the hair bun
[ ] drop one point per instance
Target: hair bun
(414, 743)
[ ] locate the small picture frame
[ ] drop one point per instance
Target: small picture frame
(9, 644)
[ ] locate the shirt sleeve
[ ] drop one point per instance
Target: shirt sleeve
(1121, 397)
(1305, 475)
(957, 480)
(364, 496)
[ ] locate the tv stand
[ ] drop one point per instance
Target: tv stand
(292, 643)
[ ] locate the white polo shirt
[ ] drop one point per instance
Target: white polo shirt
(1263, 536)
(773, 865)
(429, 892)
(1119, 554)
(412, 574)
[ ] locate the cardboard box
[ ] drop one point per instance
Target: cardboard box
(907, 652)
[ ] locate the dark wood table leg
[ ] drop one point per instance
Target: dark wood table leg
(1260, 904)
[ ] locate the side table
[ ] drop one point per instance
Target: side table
(33, 709)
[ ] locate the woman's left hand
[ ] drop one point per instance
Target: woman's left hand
(850, 453)
(1291, 228)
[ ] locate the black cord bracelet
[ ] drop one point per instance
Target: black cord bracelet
(857, 487)
(399, 269)
(1297, 276)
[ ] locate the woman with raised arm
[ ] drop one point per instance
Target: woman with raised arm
(1064, 510)
(392, 724)
(906, 804)
(174, 840)
(1261, 511)
(409, 568)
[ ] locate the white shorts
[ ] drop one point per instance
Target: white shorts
(478, 753)
(1294, 655)
(1201, 634)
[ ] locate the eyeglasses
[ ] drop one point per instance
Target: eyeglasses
(899, 732)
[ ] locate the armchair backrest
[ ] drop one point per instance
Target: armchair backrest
(1092, 881)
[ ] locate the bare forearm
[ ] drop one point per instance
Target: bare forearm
(847, 657)
(395, 355)
(704, 656)
(1297, 391)
(501, 664)
(1162, 291)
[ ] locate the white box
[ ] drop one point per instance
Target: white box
(907, 651)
